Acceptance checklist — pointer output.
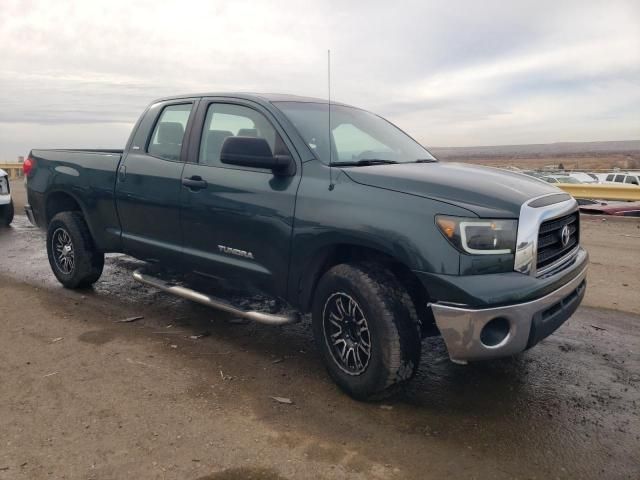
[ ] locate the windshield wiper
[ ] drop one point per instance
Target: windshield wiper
(424, 160)
(362, 163)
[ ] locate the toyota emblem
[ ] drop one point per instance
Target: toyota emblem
(565, 234)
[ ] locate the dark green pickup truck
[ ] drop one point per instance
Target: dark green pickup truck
(328, 209)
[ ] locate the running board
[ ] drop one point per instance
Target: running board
(260, 317)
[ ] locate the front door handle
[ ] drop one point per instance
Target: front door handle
(194, 183)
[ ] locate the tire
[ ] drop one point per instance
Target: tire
(6, 214)
(84, 263)
(391, 329)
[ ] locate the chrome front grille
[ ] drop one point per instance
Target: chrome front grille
(551, 245)
(539, 249)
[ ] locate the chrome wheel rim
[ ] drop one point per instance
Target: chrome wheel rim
(346, 333)
(63, 251)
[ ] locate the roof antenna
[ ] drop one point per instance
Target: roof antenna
(331, 184)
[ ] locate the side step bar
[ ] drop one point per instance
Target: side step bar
(204, 299)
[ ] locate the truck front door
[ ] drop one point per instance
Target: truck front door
(237, 221)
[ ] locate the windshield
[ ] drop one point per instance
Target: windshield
(568, 180)
(356, 135)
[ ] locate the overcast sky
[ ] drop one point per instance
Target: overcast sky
(451, 73)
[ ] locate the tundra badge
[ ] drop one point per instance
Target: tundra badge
(235, 251)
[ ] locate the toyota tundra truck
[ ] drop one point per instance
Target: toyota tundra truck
(329, 210)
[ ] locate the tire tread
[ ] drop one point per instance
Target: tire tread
(89, 261)
(394, 306)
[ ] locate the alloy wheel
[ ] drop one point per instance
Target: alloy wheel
(346, 333)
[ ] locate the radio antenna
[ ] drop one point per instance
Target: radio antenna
(331, 185)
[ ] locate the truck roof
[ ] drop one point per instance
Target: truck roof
(269, 97)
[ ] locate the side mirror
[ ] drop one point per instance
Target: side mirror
(256, 153)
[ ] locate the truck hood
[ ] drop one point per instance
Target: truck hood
(487, 192)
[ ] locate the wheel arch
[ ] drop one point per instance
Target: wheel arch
(59, 201)
(331, 255)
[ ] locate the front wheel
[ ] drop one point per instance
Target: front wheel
(6, 214)
(365, 326)
(73, 257)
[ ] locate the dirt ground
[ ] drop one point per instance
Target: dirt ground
(85, 396)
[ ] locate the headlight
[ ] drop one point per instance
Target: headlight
(479, 236)
(4, 186)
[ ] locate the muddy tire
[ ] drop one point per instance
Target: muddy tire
(366, 328)
(6, 214)
(73, 257)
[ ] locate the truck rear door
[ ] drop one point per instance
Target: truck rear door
(148, 183)
(237, 221)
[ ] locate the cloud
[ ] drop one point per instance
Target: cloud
(458, 73)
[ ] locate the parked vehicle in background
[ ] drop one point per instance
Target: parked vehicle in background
(601, 207)
(560, 179)
(352, 221)
(532, 173)
(583, 177)
(623, 178)
(6, 202)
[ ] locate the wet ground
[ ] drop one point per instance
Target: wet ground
(85, 396)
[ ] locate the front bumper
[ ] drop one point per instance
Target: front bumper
(519, 326)
(5, 199)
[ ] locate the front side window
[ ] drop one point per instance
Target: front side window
(610, 178)
(354, 135)
(166, 140)
(226, 120)
(631, 179)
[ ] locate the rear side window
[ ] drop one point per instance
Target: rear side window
(166, 140)
(619, 178)
(631, 179)
(225, 120)
(610, 178)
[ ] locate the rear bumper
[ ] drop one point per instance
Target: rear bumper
(522, 325)
(5, 199)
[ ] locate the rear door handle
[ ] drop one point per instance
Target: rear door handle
(194, 183)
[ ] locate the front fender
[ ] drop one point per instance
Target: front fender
(399, 225)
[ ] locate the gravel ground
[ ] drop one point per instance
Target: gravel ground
(85, 396)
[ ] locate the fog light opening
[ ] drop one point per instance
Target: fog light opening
(495, 332)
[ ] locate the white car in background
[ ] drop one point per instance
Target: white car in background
(6, 204)
(560, 179)
(624, 178)
(584, 177)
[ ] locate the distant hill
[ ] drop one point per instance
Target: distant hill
(569, 149)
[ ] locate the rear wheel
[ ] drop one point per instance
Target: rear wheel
(73, 257)
(365, 326)
(6, 214)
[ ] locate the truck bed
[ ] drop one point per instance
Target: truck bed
(85, 176)
(83, 150)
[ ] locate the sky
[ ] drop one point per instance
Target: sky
(451, 73)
